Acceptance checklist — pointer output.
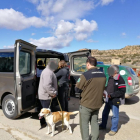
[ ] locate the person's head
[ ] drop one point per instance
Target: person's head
(113, 70)
(91, 62)
(53, 65)
(40, 63)
(62, 64)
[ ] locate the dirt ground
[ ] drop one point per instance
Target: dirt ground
(27, 126)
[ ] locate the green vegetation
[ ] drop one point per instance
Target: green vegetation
(112, 55)
(100, 53)
(134, 55)
(134, 62)
(120, 56)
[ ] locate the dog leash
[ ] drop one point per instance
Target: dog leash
(62, 114)
(50, 103)
(61, 111)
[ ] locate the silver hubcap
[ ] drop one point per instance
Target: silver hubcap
(9, 107)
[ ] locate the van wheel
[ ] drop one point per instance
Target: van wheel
(9, 107)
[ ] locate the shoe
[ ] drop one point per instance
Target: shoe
(101, 128)
(112, 133)
(43, 126)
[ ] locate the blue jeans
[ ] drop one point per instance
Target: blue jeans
(115, 117)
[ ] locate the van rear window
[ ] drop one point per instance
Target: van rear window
(6, 61)
(24, 62)
(80, 64)
(132, 71)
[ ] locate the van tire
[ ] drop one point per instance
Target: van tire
(9, 107)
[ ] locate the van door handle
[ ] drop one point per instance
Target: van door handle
(19, 83)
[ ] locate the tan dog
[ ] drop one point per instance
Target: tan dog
(53, 117)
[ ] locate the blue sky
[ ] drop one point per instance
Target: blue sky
(70, 25)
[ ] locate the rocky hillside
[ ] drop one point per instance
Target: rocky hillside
(129, 55)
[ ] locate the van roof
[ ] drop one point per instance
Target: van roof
(107, 65)
(7, 50)
(48, 51)
(37, 50)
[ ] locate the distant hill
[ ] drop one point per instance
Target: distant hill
(129, 55)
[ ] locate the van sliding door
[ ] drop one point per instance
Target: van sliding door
(25, 75)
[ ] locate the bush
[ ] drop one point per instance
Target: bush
(134, 62)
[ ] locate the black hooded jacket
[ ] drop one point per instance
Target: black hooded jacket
(62, 75)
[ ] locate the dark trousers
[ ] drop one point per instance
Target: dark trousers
(44, 104)
(63, 97)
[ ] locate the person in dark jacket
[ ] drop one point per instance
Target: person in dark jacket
(91, 85)
(62, 75)
(115, 89)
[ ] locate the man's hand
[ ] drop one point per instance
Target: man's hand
(109, 96)
(54, 96)
(104, 95)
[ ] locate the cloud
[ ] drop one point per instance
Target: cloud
(34, 1)
(91, 41)
(52, 42)
(106, 2)
(58, 6)
(123, 34)
(65, 32)
(81, 36)
(63, 27)
(83, 26)
(33, 34)
(138, 36)
(67, 9)
(11, 19)
(8, 47)
(63, 9)
(62, 16)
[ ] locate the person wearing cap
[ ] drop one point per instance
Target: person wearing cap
(40, 68)
(47, 87)
(91, 85)
(115, 89)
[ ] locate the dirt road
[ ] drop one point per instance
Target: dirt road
(27, 126)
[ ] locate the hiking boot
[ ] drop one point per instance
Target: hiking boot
(112, 133)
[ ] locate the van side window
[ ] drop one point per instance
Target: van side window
(24, 62)
(101, 69)
(80, 64)
(6, 61)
